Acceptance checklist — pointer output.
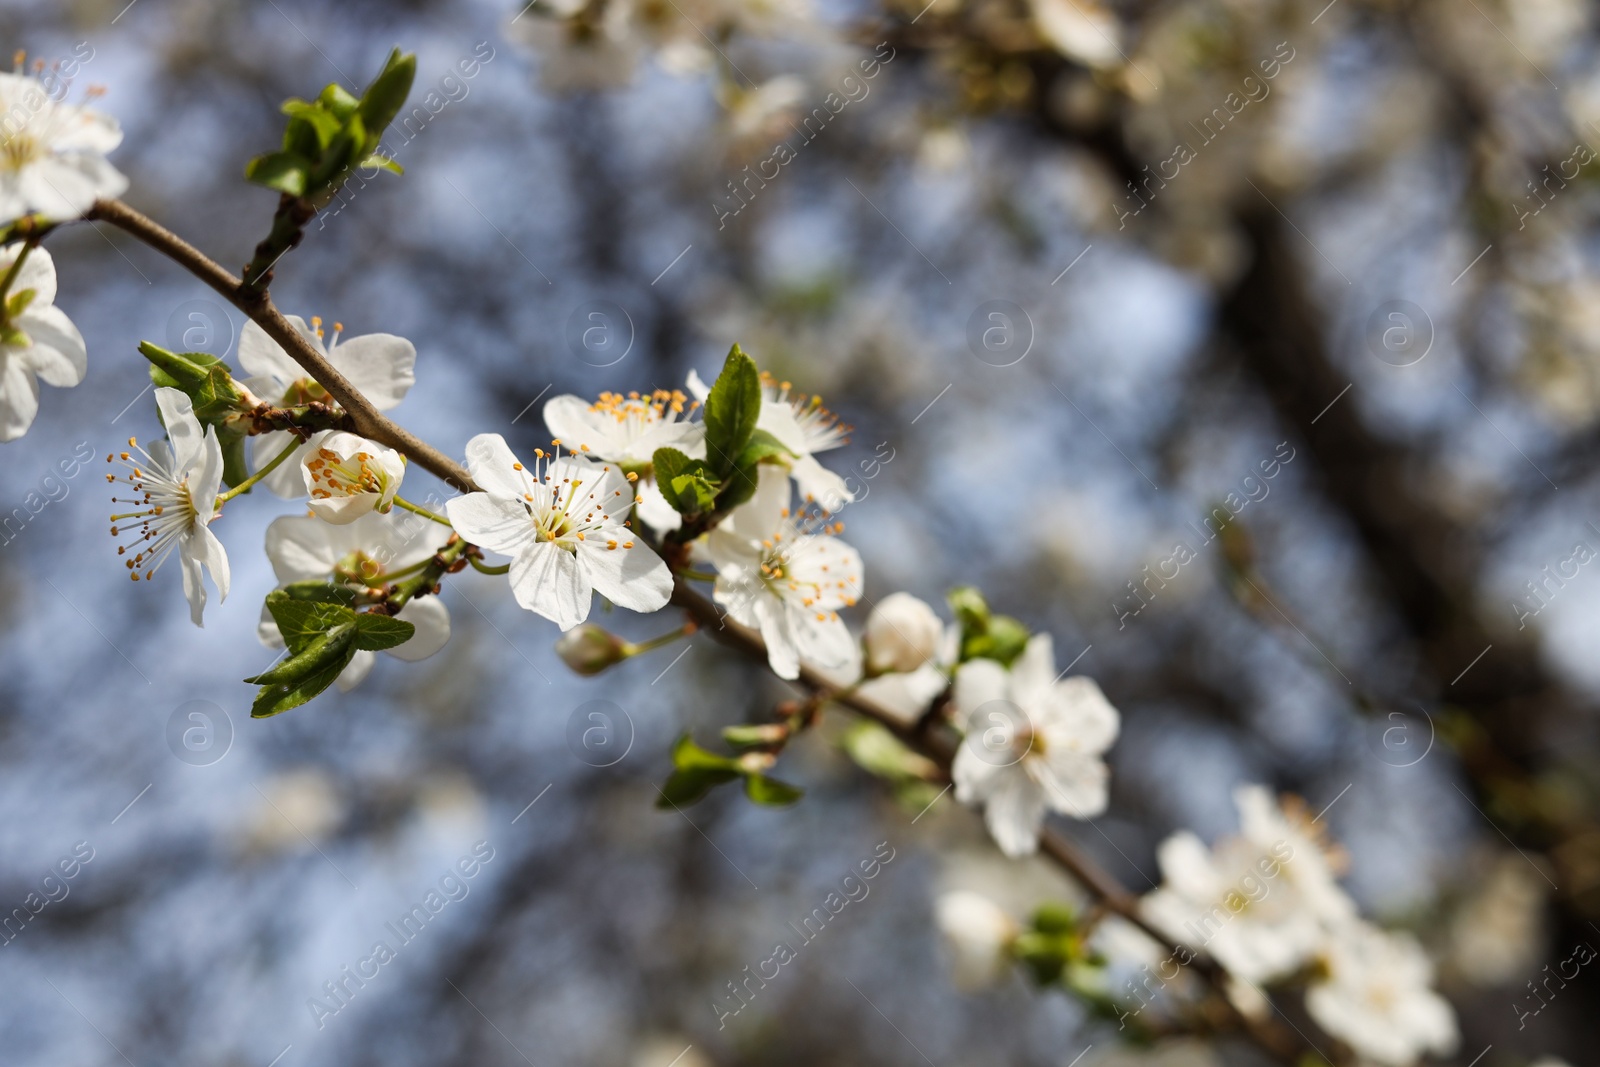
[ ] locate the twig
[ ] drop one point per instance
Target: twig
(368, 420)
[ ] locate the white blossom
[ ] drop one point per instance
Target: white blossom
(803, 426)
(349, 476)
(1378, 997)
(563, 523)
(359, 552)
(627, 430)
(174, 496)
(902, 634)
(37, 341)
(381, 366)
(52, 154)
(1032, 743)
(979, 934)
(1260, 903)
(785, 577)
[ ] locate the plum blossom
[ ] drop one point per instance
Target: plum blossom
(1259, 903)
(37, 340)
(349, 476)
(52, 154)
(380, 365)
(803, 426)
(627, 430)
(358, 553)
(1033, 743)
(174, 487)
(563, 523)
(1378, 997)
(979, 934)
(785, 577)
(908, 655)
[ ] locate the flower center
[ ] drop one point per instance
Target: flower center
(164, 512)
(18, 150)
(334, 475)
(301, 392)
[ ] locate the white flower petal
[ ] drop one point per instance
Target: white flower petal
(633, 578)
(496, 523)
(380, 365)
(183, 429)
(58, 354)
(1013, 813)
(38, 273)
(494, 467)
(548, 580)
(19, 395)
(783, 653)
(356, 671)
(432, 620)
(260, 355)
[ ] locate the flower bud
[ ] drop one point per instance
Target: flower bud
(902, 634)
(590, 649)
(979, 935)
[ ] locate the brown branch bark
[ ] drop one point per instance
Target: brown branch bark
(368, 420)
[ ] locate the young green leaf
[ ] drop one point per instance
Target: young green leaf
(337, 644)
(284, 171)
(683, 788)
(762, 446)
(301, 622)
(374, 633)
(732, 408)
(769, 792)
(302, 677)
(387, 94)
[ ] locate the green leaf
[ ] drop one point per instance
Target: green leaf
(379, 161)
(387, 94)
(301, 622)
(315, 589)
(683, 481)
(339, 101)
(1054, 918)
(374, 632)
(203, 377)
(769, 792)
(693, 488)
(761, 447)
(686, 755)
(732, 408)
(284, 171)
(315, 654)
(688, 786)
(303, 676)
(323, 122)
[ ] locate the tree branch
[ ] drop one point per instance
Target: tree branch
(368, 420)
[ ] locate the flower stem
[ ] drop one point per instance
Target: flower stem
(11, 275)
(630, 649)
(433, 568)
(698, 576)
(485, 568)
(272, 465)
(418, 509)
